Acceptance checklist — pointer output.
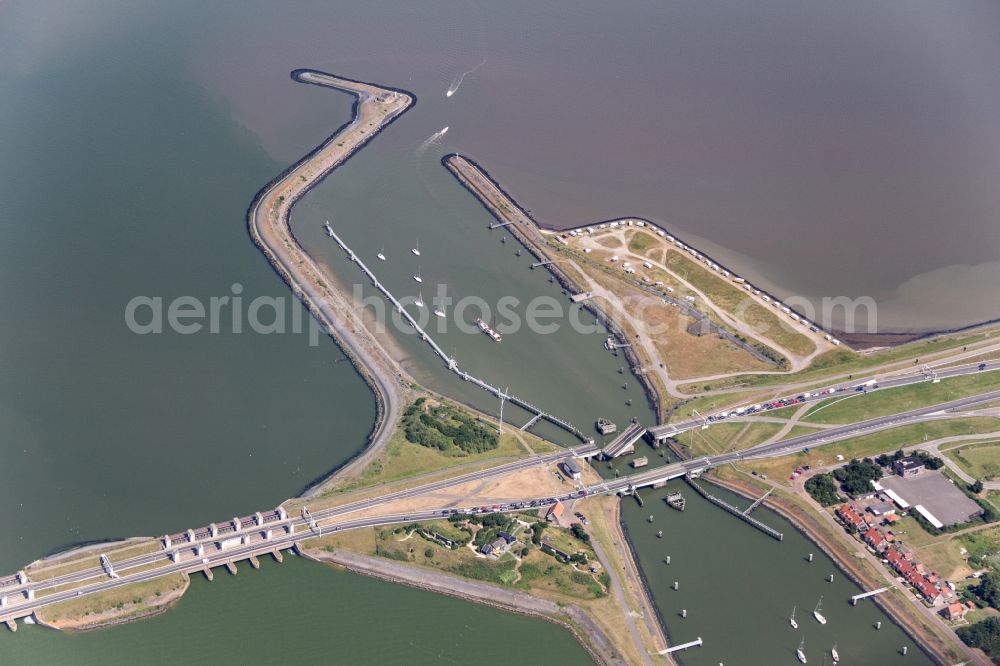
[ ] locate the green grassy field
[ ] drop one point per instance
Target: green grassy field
(869, 445)
(980, 460)
(722, 437)
(843, 361)
(402, 458)
(983, 545)
(860, 406)
(734, 300)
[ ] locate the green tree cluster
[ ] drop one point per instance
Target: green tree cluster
(855, 477)
(988, 589)
(442, 427)
(823, 489)
(984, 635)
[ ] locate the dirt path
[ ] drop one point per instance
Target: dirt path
(618, 592)
(797, 361)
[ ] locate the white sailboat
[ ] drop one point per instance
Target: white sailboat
(420, 300)
(381, 253)
(801, 652)
(816, 614)
(416, 248)
(791, 620)
(439, 312)
(835, 654)
(417, 277)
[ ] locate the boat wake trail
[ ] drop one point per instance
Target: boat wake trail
(418, 160)
(456, 82)
(430, 141)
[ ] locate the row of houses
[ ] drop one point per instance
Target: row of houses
(873, 530)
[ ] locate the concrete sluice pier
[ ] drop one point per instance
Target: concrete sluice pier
(450, 362)
(744, 516)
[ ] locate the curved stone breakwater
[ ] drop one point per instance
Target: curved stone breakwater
(375, 108)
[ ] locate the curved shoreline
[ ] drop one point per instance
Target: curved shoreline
(268, 222)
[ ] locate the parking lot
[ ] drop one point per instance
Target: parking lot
(936, 493)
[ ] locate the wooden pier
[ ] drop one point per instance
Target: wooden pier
(769, 531)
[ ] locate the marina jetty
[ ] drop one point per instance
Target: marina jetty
(375, 108)
(510, 216)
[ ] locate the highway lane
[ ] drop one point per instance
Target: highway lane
(203, 534)
(843, 389)
(284, 538)
(784, 447)
(9, 585)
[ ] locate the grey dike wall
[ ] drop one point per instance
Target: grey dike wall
(355, 356)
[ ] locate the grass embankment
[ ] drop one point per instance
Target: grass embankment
(861, 406)
(722, 292)
(525, 567)
(116, 606)
(979, 460)
(841, 362)
(537, 573)
(683, 354)
(853, 406)
(736, 302)
(403, 459)
(870, 445)
(724, 437)
(673, 266)
(53, 568)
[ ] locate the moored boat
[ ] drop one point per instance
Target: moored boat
(488, 330)
(816, 613)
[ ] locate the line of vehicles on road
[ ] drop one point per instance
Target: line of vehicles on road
(786, 402)
(863, 387)
(515, 506)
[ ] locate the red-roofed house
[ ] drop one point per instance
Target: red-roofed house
(929, 591)
(954, 611)
(875, 539)
(849, 516)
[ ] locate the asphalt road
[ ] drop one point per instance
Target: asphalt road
(294, 529)
(842, 389)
